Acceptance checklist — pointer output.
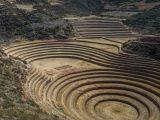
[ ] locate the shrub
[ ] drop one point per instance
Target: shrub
(147, 47)
(148, 21)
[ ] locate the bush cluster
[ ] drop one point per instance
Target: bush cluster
(148, 22)
(16, 22)
(146, 47)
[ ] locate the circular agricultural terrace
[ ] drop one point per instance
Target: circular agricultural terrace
(91, 78)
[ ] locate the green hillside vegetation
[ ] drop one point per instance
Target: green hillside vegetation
(79, 7)
(146, 47)
(13, 104)
(116, 2)
(83, 7)
(73, 7)
(151, 1)
(30, 1)
(37, 24)
(147, 22)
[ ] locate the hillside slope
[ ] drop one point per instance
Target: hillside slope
(13, 103)
(148, 47)
(147, 22)
(74, 7)
(40, 23)
(131, 5)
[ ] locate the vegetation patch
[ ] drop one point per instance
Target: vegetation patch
(146, 47)
(147, 22)
(40, 23)
(117, 2)
(13, 104)
(72, 7)
(151, 1)
(119, 14)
